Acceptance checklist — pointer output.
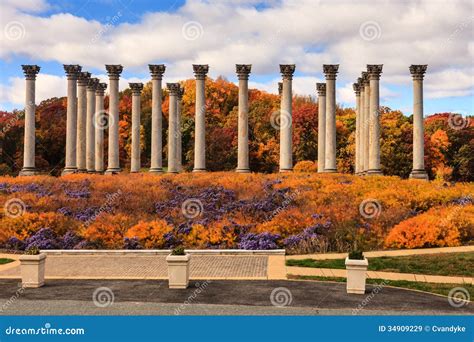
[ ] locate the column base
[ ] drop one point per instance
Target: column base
(172, 172)
(81, 171)
(330, 171)
(419, 174)
(99, 172)
(286, 170)
(242, 170)
(374, 172)
(113, 171)
(199, 170)
(68, 171)
(156, 170)
(91, 171)
(28, 171)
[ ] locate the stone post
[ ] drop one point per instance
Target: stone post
(172, 127)
(81, 121)
(179, 140)
(286, 144)
(157, 71)
(374, 71)
(366, 138)
(29, 168)
(243, 163)
(114, 72)
(330, 71)
(200, 71)
(72, 72)
(90, 128)
(321, 88)
(136, 113)
(356, 87)
(100, 120)
(418, 172)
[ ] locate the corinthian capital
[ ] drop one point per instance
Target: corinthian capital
(136, 88)
(181, 92)
(243, 71)
(173, 88)
(92, 84)
(374, 71)
(200, 71)
(330, 71)
(157, 71)
(418, 71)
(30, 71)
(72, 71)
(365, 78)
(100, 90)
(356, 87)
(287, 71)
(321, 89)
(280, 88)
(83, 78)
(114, 70)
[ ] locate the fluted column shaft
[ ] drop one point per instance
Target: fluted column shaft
(81, 120)
(100, 120)
(286, 118)
(418, 172)
(330, 72)
(90, 128)
(157, 71)
(136, 113)
(72, 72)
(173, 127)
(366, 123)
(357, 163)
(321, 88)
(243, 162)
(200, 72)
(374, 71)
(29, 167)
(179, 142)
(114, 72)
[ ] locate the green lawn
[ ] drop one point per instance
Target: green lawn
(5, 261)
(446, 264)
(442, 289)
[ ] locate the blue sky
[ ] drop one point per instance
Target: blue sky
(262, 33)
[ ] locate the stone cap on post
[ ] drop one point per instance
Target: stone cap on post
(356, 87)
(114, 71)
(83, 78)
(173, 88)
(100, 90)
(181, 92)
(72, 71)
(321, 89)
(287, 71)
(200, 71)
(330, 71)
(92, 84)
(365, 78)
(136, 88)
(418, 71)
(30, 71)
(243, 71)
(374, 71)
(280, 88)
(157, 71)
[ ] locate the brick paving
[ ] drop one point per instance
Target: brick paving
(148, 267)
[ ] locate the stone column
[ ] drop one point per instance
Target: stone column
(90, 128)
(72, 72)
(286, 143)
(136, 113)
(81, 121)
(157, 71)
(100, 124)
(29, 168)
(356, 87)
(243, 163)
(321, 88)
(330, 71)
(200, 71)
(179, 140)
(172, 127)
(114, 72)
(418, 172)
(374, 71)
(366, 138)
